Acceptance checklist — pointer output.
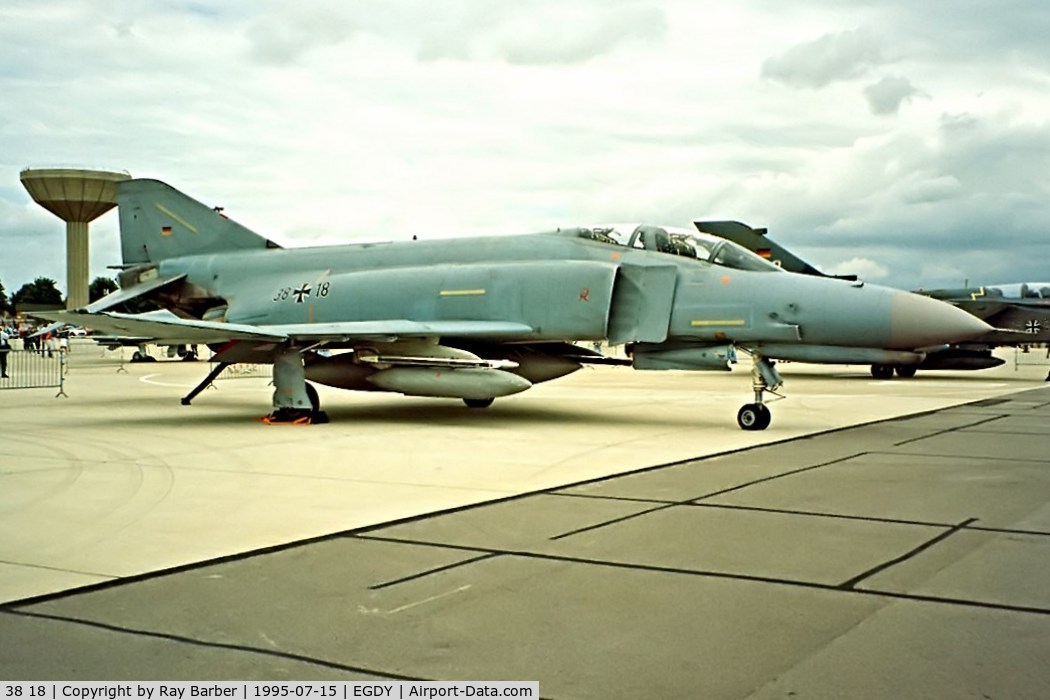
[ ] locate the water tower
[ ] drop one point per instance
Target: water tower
(77, 197)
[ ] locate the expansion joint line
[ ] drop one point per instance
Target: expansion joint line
(726, 575)
(957, 428)
(693, 501)
(243, 648)
(852, 583)
(430, 572)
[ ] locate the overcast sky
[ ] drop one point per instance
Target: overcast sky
(905, 141)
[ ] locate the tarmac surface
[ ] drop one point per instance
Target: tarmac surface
(611, 534)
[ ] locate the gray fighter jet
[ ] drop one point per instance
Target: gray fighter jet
(1019, 313)
(481, 318)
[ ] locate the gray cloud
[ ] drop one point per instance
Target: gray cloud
(542, 33)
(961, 204)
(830, 58)
(283, 38)
(887, 95)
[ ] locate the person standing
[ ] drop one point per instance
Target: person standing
(5, 348)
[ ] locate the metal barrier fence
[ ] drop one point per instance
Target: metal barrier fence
(32, 369)
(243, 370)
(1036, 355)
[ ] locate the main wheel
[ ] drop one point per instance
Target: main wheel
(478, 403)
(882, 371)
(753, 416)
(907, 371)
(315, 400)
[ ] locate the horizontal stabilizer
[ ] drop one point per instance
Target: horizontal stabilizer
(134, 292)
(163, 326)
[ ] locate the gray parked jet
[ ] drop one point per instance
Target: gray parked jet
(481, 318)
(1019, 312)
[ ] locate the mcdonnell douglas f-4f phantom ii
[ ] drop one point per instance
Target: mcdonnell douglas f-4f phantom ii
(1019, 312)
(481, 318)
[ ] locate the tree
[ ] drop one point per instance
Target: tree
(100, 287)
(5, 305)
(42, 290)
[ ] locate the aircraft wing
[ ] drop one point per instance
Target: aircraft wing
(166, 327)
(400, 328)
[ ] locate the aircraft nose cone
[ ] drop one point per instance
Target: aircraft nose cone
(917, 321)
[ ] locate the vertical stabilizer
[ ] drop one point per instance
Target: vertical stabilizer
(159, 222)
(756, 240)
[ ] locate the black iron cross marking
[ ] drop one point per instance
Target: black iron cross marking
(1032, 326)
(301, 293)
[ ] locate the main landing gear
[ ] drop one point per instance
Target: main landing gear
(764, 377)
(886, 371)
(294, 401)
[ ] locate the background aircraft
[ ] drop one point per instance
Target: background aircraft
(480, 318)
(1019, 313)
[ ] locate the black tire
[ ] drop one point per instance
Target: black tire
(315, 400)
(753, 416)
(478, 403)
(882, 371)
(907, 371)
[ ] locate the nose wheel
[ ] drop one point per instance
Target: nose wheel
(753, 416)
(764, 377)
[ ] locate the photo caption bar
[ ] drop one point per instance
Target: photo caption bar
(239, 690)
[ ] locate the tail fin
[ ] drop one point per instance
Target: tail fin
(158, 222)
(756, 240)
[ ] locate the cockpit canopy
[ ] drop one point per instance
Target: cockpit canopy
(681, 242)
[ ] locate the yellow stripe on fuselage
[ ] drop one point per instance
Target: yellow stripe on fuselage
(720, 322)
(462, 292)
(178, 218)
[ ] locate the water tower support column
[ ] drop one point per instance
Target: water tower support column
(77, 264)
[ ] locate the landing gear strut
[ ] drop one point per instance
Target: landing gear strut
(764, 377)
(294, 401)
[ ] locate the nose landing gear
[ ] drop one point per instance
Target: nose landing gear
(764, 377)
